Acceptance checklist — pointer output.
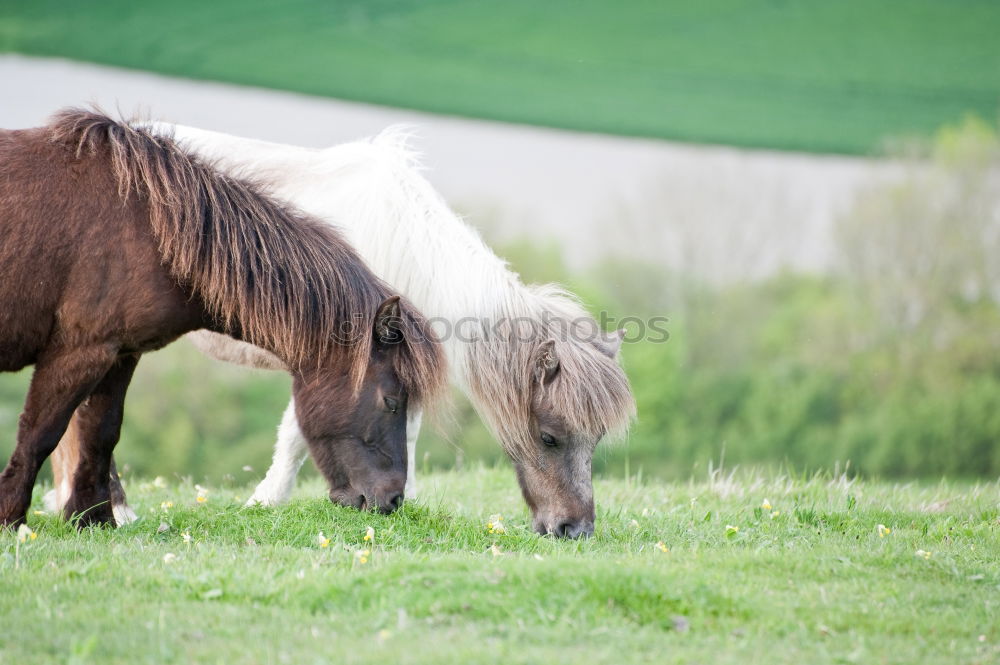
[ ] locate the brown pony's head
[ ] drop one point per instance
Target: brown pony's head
(551, 396)
(358, 438)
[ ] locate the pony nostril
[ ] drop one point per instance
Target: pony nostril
(572, 530)
(393, 503)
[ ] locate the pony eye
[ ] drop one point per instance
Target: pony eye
(548, 439)
(391, 403)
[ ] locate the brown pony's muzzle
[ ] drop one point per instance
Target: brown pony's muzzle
(388, 497)
(348, 499)
(564, 527)
(385, 499)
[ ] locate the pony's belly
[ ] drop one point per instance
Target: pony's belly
(15, 357)
(23, 337)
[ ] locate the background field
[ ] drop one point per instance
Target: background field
(890, 363)
(810, 580)
(816, 76)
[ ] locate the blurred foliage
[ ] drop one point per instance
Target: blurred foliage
(891, 362)
(817, 76)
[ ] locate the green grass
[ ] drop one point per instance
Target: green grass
(813, 584)
(817, 76)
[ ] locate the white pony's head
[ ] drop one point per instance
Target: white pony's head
(550, 385)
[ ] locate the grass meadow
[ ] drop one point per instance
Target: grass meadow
(743, 567)
(736, 568)
(814, 76)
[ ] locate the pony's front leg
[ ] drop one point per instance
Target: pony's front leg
(412, 432)
(61, 381)
(290, 452)
(98, 427)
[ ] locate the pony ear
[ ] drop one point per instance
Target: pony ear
(546, 362)
(610, 343)
(388, 327)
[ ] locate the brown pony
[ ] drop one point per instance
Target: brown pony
(114, 242)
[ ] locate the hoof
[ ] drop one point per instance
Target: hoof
(261, 501)
(11, 522)
(123, 514)
(51, 501)
(83, 515)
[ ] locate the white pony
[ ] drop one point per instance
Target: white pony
(533, 362)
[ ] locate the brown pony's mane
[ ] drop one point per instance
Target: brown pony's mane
(273, 276)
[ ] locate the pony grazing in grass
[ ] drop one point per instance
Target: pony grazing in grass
(534, 363)
(115, 242)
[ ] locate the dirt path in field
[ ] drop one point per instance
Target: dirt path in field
(720, 212)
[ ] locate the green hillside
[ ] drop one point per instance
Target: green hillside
(815, 76)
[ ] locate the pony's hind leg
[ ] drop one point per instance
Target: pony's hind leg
(60, 382)
(64, 460)
(99, 421)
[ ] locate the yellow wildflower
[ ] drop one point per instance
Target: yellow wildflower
(883, 530)
(923, 553)
(322, 540)
(369, 534)
(24, 533)
(766, 505)
(362, 556)
(201, 498)
(663, 548)
(39, 512)
(166, 505)
(495, 524)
